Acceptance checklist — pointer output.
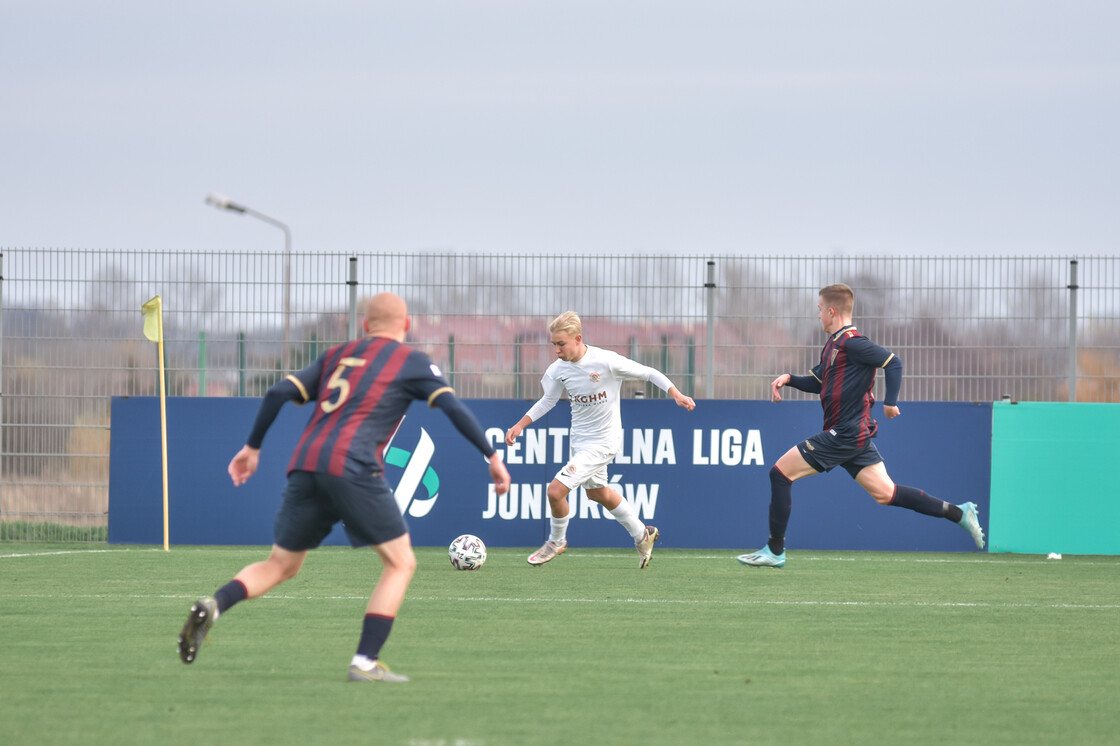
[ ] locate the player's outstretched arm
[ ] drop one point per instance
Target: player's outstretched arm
(893, 373)
(809, 384)
(682, 400)
(515, 431)
(776, 384)
(244, 465)
(499, 474)
(280, 392)
(466, 424)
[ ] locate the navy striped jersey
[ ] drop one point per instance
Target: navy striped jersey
(361, 390)
(847, 373)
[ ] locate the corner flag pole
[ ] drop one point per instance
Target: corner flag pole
(153, 330)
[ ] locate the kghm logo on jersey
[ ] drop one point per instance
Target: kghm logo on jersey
(417, 474)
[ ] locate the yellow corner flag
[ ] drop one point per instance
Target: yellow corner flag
(153, 319)
(152, 312)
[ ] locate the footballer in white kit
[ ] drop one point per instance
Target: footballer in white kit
(592, 378)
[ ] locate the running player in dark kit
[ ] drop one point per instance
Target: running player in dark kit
(843, 378)
(360, 391)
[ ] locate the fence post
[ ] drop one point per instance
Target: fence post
(1072, 330)
(353, 283)
(691, 366)
(664, 363)
(710, 363)
(241, 363)
(517, 367)
(640, 393)
(451, 360)
(202, 363)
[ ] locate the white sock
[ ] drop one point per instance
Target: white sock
(628, 518)
(559, 529)
(363, 662)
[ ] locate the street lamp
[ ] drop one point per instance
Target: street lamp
(222, 202)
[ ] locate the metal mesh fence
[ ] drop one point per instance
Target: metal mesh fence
(967, 329)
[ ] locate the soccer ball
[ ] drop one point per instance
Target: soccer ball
(467, 552)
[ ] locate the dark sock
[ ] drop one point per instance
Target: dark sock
(914, 499)
(375, 631)
(229, 594)
(781, 503)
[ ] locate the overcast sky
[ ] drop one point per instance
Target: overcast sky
(961, 127)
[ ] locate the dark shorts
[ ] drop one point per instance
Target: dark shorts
(314, 502)
(827, 450)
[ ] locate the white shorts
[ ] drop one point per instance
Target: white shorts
(586, 468)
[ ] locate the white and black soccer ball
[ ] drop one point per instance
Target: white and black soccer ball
(467, 552)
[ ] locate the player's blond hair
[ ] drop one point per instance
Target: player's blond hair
(568, 322)
(839, 297)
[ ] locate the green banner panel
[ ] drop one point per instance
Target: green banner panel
(1054, 470)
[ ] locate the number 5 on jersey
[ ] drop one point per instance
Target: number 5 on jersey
(338, 382)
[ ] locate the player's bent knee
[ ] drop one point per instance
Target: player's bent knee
(287, 570)
(777, 476)
(402, 562)
(407, 564)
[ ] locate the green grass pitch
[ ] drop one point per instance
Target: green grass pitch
(837, 648)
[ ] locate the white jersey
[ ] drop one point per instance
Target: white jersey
(593, 383)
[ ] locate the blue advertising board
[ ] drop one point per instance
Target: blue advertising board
(701, 476)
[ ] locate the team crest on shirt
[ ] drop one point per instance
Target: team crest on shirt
(832, 360)
(595, 376)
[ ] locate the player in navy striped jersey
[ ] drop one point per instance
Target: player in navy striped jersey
(360, 391)
(844, 378)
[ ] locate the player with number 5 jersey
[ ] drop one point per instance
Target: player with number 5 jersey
(358, 408)
(360, 391)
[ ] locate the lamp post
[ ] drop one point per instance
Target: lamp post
(223, 202)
